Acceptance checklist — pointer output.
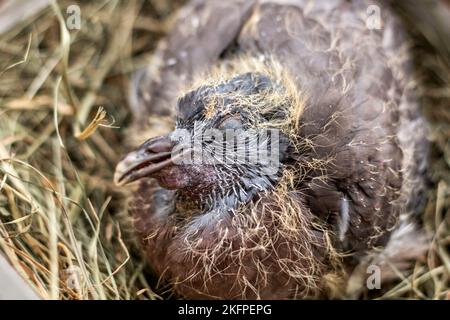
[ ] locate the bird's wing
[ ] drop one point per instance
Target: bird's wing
(355, 85)
(202, 31)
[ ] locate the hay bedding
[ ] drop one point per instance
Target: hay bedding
(63, 224)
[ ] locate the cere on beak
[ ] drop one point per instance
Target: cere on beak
(152, 156)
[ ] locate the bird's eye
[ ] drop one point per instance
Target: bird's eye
(231, 123)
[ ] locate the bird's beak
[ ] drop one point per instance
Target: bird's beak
(149, 158)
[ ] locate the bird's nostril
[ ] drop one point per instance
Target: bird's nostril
(158, 145)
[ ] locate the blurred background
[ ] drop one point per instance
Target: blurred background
(64, 76)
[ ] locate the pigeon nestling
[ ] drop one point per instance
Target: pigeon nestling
(350, 144)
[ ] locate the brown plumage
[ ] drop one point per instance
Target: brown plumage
(353, 159)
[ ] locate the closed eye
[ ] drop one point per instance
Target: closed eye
(231, 122)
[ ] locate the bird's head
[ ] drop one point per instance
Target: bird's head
(230, 143)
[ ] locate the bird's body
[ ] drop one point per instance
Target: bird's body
(353, 168)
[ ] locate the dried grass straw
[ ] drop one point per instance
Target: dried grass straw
(63, 224)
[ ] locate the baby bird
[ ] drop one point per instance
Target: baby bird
(331, 101)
